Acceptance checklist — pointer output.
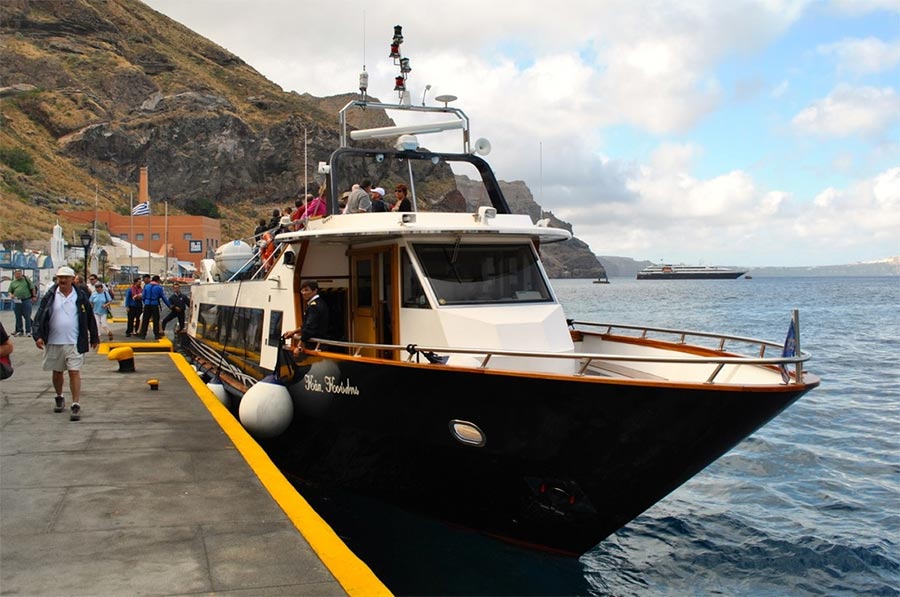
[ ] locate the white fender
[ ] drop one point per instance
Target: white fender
(216, 387)
(266, 409)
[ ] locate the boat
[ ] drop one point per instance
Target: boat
(688, 272)
(602, 280)
(450, 380)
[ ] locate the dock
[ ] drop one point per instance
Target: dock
(151, 492)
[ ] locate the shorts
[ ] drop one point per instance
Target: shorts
(62, 357)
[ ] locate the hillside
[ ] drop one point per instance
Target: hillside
(95, 89)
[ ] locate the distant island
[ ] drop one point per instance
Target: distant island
(626, 267)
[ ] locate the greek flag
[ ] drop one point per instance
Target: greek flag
(141, 209)
(789, 350)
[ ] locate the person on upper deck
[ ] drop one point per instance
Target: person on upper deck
(378, 204)
(275, 221)
(359, 200)
(316, 207)
(260, 229)
(402, 203)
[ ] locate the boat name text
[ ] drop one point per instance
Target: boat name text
(329, 385)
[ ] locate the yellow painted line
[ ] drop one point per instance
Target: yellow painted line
(351, 572)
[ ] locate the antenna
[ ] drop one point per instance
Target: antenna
(364, 76)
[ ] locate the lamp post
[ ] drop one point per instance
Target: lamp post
(103, 256)
(86, 239)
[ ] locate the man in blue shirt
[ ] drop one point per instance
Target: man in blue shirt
(153, 294)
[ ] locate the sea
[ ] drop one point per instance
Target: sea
(808, 505)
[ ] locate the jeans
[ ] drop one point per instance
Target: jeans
(23, 311)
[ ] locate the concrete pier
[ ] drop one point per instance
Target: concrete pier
(151, 492)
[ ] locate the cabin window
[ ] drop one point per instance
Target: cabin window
(413, 293)
(237, 329)
(275, 328)
(462, 274)
(364, 283)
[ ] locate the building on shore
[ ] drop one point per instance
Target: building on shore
(190, 238)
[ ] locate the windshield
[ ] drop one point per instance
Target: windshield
(465, 274)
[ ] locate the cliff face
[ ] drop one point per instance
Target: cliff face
(570, 259)
(95, 89)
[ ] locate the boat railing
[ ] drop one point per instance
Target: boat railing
(434, 353)
(683, 335)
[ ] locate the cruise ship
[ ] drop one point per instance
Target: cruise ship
(688, 272)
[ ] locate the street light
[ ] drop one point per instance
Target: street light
(86, 239)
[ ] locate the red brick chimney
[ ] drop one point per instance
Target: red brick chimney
(144, 186)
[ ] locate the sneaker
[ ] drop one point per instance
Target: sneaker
(76, 412)
(60, 404)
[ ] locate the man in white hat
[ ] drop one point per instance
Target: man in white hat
(65, 328)
(378, 203)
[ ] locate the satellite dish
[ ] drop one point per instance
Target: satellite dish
(482, 146)
(446, 99)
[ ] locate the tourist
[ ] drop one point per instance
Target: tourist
(6, 349)
(378, 204)
(360, 201)
(134, 306)
(100, 301)
(402, 202)
(23, 293)
(65, 330)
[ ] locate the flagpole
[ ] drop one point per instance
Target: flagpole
(798, 369)
(149, 241)
(166, 240)
(131, 236)
(305, 169)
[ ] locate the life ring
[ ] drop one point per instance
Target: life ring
(267, 250)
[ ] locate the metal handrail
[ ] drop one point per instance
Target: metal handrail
(356, 348)
(683, 334)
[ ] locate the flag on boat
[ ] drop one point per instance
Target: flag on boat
(789, 350)
(141, 209)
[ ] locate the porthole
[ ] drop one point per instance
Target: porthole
(467, 433)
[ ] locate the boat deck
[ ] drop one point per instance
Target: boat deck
(151, 492)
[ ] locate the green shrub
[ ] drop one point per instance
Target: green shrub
(202, 207)
(18, 159)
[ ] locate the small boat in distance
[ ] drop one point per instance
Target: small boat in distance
(688, 272)
(602, 280)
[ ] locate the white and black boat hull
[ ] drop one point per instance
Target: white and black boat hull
(564, 464)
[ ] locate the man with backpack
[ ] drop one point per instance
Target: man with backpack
(23, 293)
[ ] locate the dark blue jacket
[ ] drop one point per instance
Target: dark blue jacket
(87, 325)
(179, 300)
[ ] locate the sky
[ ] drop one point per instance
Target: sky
(718, 132)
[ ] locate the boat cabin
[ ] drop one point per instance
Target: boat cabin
(457, 270)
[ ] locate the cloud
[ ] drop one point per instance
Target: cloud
(865, 213)
(863, 56)
(850, 111)
(861, 7)
(728, 217)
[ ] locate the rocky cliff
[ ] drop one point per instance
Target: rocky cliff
(95, 89)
